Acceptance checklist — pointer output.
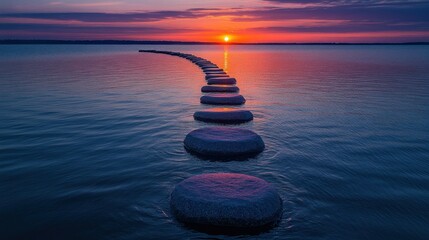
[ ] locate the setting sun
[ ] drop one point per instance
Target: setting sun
(226, 39)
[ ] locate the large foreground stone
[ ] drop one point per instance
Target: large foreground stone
(224, 115)
(221, 80)
(223, 99)
(220, 88)
(226, 200)
(224, 142)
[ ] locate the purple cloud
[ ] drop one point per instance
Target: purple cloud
(346, 16)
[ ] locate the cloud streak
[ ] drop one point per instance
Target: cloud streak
(307, 16)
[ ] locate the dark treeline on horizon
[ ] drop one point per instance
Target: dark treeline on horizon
(134, 42)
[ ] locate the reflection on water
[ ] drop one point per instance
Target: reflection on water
(91, 138)
(225, 58)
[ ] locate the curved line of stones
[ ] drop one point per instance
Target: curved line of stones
(214, 75)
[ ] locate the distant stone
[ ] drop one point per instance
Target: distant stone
(201, 60)
(216, 75)
(223, 99)
(221, 80)
(219, 88)
(213, 70)
(208, 66)
(224, 115)
(219, 71)
(224, 142)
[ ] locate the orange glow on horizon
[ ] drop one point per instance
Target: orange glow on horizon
(226, 38)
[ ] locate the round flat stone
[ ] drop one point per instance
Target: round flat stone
(224, 142)
(228, 200)
(216, 75)
(221, 80)
(209, 70)
(213, 67)
(223, 99)
(219, 88)
(224, 115)
(215, 72)
(208, 65)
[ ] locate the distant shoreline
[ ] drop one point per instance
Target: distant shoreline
(130, 42)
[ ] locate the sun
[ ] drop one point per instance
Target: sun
(226, 38)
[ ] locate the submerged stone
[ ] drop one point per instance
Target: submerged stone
(224, 115)
(226, 200)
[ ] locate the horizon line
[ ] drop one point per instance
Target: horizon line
(162, 42)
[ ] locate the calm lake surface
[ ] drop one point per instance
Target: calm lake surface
(91, 139)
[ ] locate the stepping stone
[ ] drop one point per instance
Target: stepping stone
(224, 142)
(223, 99)
(224, 115)
(208, 66)
(209, 73)
(226, 201)
(221, 80)
(219, 88)
(215, 75)
(213, 70)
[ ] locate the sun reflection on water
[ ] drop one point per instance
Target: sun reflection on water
(225, 58)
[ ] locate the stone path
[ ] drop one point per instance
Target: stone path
(223, 201)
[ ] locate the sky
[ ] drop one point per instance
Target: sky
(288, 21)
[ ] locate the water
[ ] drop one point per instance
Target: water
(91, 139)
